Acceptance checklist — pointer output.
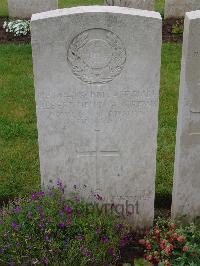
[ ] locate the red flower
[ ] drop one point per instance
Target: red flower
(181, 239)
(157, 232)
(149, 257)
(175, 235)
(162, 246)
(168, 250)
(172, 226)
(185, 248)
(149, 246)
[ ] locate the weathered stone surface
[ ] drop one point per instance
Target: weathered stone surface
(97, 72)
(25, 8)
(186, 191)
(139, 4)
(178, 8)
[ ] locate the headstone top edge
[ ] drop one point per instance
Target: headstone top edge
(193, 14)
(95, 9)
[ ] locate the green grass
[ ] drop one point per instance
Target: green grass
(159, 4)
(170, 70)
(19, 166)
(70, 3)
(3, 8)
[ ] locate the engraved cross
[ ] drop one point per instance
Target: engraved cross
(97, 153)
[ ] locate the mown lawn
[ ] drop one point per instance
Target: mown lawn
(19, 164)
(159, 4)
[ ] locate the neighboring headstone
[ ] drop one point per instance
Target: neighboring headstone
(178, 8)
(25, 8)
(139, 4)
(186, 191)
(97, 72)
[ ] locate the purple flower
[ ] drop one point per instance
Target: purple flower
(1, 222)
(49, 219)
(77, 198)
(124, 241)
(78, 212)
(111, 251)
(61, 225)
(98, 230)
(8, 245)
(79, 237)
(41, 226)
(119, 227)
(41, 193)
(34, 196)
(46, 238)
(88, 253)
(2, 250)
(60, 185)
(38, 207)
(85, 251)
(14, 225)
(17, 210)
(45, 261)
(68, 210)
(61, 213)
(105, 239)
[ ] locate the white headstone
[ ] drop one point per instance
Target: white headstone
(178, 8)
(97, 72)
(25, 8)
(138, 4)
(186, 191)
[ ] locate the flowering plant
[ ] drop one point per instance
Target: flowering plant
(18, 27)
(47, 228)
(170, 244)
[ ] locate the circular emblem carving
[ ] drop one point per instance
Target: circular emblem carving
(96, 56)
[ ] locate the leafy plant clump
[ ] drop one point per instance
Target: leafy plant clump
(47, 229)
(171, 244)
(177, 29)
(18, 27)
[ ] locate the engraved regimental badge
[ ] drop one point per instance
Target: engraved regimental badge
(96, 56)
